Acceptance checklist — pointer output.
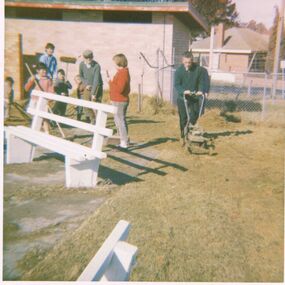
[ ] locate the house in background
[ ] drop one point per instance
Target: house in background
(107, 28)
(235, 50)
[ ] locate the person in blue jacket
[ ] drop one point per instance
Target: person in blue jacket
(49, 60)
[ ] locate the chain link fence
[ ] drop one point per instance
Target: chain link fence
(245, 92)
(251, 92)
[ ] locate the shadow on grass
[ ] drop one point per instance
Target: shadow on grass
(159, 170)
(134, 120)
(48, 156)
(117, 177)
(81, 137)
(152, 143)
(226, 134)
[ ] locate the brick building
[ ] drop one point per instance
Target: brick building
(107, 28)
(235, 50)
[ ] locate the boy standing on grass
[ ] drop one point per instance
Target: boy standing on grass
(190, 77)
(90, 74)
(72, 110)
(79, 95)
(49, 60)
(8, 96)
(61, 88)
(44, 83)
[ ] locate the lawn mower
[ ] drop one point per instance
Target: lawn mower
(196, 141)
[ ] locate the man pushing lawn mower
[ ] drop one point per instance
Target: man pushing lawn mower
(192, 84)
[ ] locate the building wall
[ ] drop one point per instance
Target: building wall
(234, 62)
(166, 50)
(181, 43)
(181, 40)
(13, 61)
(71, 38)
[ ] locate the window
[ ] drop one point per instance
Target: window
(258, 63)
(32, 13)
(127, 17)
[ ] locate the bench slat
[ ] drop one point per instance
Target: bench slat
(120, 266)
(88, 151)
(74, 101)
(38, 139)
(56, 144)
(81, 125)
(100, 262)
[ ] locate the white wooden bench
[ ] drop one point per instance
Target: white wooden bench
(81, 162)
(115, 258)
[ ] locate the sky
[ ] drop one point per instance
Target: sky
(258, 10)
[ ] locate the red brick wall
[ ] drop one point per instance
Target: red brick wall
(234, 62)
(105, 39)
(71, 38)
(13, 63)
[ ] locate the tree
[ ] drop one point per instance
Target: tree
(272, 42)
(257, 27)
(217, 11)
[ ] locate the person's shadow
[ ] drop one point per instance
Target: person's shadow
(119, 177)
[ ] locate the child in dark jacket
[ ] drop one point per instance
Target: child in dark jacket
(61, 87)
(9, 96)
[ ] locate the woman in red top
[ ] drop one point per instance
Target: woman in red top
(119, 95)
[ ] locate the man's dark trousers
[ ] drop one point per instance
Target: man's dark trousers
(193, 108)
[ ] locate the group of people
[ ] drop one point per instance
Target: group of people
(89, 87)
(189, 77)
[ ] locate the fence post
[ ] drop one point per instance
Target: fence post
(139, 99)
(172, 77)
(249, 88)
(283, 83)
(264, 96)
(21, 64)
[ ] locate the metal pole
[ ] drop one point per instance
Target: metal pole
(264, 96)
(163, 51)
(21, 66)
(283, 81)
(157, 74)
(172, 77)
(139, 99)
(249, 88)
(278, 46)
(211, 49)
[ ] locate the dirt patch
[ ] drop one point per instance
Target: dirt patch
(39, 211)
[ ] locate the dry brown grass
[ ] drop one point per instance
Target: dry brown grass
(214, 218)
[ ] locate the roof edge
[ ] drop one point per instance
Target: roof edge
(224, 50)
(185, 7)
(198, 17)
(100, 6)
